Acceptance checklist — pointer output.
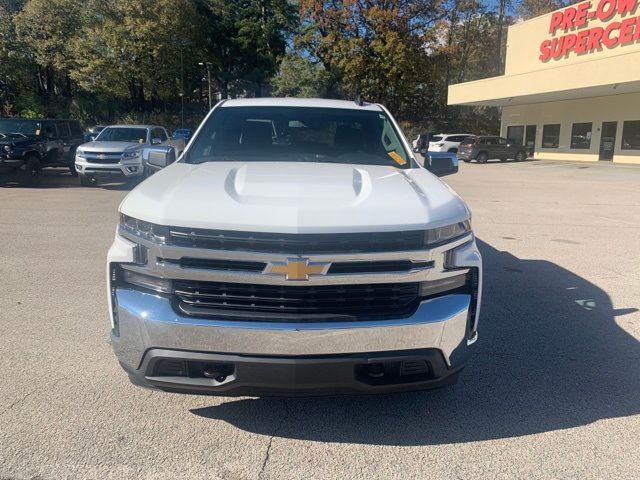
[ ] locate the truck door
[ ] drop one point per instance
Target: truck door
(52, 143)
(64, 138)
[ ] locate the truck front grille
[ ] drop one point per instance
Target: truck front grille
(297, 243)
(103, 158)
(299, 303)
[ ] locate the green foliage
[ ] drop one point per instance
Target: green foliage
(300, 77)
(101, 61)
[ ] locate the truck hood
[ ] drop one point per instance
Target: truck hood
(294, 198)
(16, 141)
(110, 147)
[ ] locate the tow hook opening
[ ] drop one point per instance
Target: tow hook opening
(394, 372)
(219, 372)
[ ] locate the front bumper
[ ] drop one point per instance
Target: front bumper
(146, 322)
(10, 162)
(125, 168)
(272, 357)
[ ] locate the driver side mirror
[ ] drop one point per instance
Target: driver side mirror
(159, 157)
(441, 166)
(156, 141)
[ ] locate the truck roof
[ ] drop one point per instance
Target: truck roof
(300, 102)
(133, 126)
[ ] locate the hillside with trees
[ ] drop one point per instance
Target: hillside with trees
(150, 60)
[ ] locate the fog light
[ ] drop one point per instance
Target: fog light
(132, 169)
(375, 370)
(79, 168)
(442, 285)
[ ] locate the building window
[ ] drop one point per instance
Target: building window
(581, 136)
(631, 135)
(551, 136)
(515, 134)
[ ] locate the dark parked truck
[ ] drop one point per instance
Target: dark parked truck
(482, 149)
(29, 145)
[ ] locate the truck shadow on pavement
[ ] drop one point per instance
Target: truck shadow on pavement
(550, 357)
(56, 178)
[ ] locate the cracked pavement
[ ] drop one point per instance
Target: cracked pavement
(553, 390)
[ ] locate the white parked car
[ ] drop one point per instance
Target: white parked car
(296, 247)
(117, 152)
(447, 142)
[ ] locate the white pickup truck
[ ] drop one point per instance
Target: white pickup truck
(116, 153)
(296, 247)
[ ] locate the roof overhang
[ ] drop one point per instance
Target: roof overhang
(590, 78)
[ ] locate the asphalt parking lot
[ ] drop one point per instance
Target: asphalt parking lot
(553, 390)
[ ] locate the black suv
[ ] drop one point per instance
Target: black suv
(482, 149)
(29, 145)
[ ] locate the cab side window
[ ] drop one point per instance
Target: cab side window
(502, 141)
(76, 129)
(63, 129)
(49, 130)
(160, 134)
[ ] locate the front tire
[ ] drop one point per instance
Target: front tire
(86, 181)
(482, 157)
(31, 172)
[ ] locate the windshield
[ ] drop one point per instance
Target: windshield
(26, 127)
(468, 141)
(123, 134)
(298, 134)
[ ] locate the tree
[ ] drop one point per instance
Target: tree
(534, 8)
(245, 41)
(376, 49)
(299, 76)
(133, 48)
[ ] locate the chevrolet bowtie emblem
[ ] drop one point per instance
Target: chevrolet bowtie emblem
(102, 156)
(297, 268)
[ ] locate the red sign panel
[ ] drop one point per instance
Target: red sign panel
(577, 37)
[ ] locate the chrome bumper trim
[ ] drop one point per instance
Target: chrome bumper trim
(157, 252)
(148, 321)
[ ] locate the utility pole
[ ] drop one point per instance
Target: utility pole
(208, 66)
(181, 88)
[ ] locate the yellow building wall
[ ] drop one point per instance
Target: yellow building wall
(596, 110)
(528, 80)
(524, 39)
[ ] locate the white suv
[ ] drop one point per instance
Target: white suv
(447, 142)
(296, 247)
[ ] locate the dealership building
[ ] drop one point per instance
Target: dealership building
(571, 88)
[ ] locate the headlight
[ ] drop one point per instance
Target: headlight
(140, 228)
(448, 233)
(131, 155)
(7, 148)
(81, 154)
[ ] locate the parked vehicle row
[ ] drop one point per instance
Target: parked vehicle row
(468, 147)
(29, 145)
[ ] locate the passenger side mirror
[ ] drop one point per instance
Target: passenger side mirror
(159, 157)
(441, 166)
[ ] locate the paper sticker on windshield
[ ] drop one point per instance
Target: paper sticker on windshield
(397, 158)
